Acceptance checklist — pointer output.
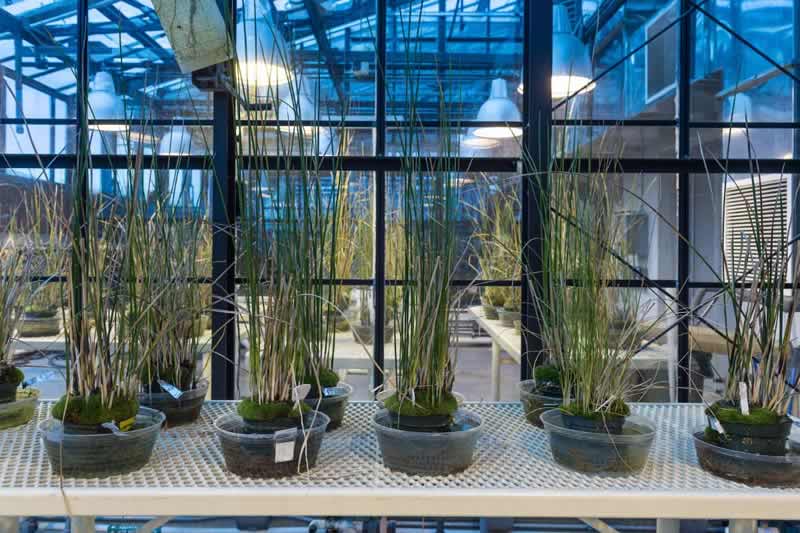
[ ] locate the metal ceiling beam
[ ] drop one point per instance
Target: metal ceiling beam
(10, 73)
(315, 20)
(126, 26)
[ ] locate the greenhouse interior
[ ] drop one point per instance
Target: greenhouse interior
(290, 266)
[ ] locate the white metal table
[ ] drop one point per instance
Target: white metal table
(508, 340)
(513, 476)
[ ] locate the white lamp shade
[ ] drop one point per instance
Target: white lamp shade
(105, 103)
(498, 108)
(262, 57)
(177, 141)
(572, 66)
(470, 140)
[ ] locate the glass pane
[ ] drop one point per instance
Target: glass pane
(614, 142)
(133, 73)
(726, 69)
(453, 56)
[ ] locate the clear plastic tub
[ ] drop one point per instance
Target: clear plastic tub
(20, 411)
(534, 404)
(489, 312)
(593, 452)
(184, 410)
(85, 455)
(507, 318)
(40, 325)
(270, 455)
(333, 403)
(748, 468)
(435, 453)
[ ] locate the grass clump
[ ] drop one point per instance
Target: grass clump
(425, 403)
(93, 411)
(617, 408)
(250, 409)
(759, 416)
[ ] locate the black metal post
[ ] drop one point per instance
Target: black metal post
(223, 251)
(537, 54)
(684, 197)
(795, 181)
(379, 257)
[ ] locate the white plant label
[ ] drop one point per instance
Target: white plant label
(329, 391)
(284, 451)
(171, 389)
(300, 392)
(743, 403)
(112, 426)
(715, 425)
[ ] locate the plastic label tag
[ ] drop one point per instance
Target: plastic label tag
(171, 389)
(715, 425)
(329, 391)
(120, 428)
(300, 392)
(125, 425)
(743, 403)
(284, 451)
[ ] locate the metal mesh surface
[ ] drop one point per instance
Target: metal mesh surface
(511, 454)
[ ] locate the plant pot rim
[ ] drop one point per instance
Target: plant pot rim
(382, 395)
(346, 391)
(522, 386)
(551, 419)
(55, 428)
(200, 387)
(318, 423)
(428, 435)
(699, 441)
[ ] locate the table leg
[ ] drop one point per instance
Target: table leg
(82, 524)
(495, 372)
(9, 523)
(668, 525)
(743, 526)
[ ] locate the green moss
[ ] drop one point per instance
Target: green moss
(618, 408)
(10, 374)
(265, 412)
(327, 378)
(91, 412)
(758, 415)
(547, 374)
(423, 404)
(712, 436)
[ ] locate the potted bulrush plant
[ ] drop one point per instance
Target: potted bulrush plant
(97, 428)
(274, 433)
(16, 406)
(593, 429)
(47, 237)
(747, 435)
(421, 428)
(171, 381)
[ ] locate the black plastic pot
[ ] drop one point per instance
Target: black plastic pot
(507, 318)
(333, 403)
(85, 455)
(441, 452)
(8, 392)
(489, 311)
(270, 454)
(596, 452)
(183, 410)
(749, 468)
(534, 402)
(609, 424)
(40, 324)
(764, 439)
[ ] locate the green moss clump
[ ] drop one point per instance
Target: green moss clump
(327, 378)
(618, 408)
(10, 375)
(91, 411)
(423, 405)
(758, 416)
(266, 412)
(547, 374)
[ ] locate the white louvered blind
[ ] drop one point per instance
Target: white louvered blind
(751, 206)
